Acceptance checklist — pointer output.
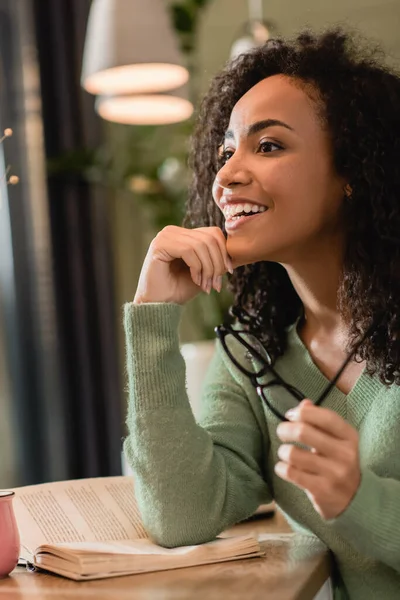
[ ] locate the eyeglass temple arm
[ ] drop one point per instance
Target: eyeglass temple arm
(346, 362)
(333, 382)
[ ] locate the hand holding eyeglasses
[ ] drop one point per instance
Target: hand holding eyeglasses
(329, 472)
(181, 262)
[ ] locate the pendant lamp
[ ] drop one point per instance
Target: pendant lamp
(146, 109)
(130, 47)
(255, 32)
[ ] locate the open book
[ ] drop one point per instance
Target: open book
(91, 529)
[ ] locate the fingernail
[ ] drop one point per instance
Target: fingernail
(280, 430)
(209, 286)
(283, 452)
(218, 283)
(198, 279)
(229, 265)
(291, 414)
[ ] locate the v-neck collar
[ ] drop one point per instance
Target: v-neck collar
(298, 368)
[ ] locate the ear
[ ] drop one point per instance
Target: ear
(348, 190)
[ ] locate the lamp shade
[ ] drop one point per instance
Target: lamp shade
(145, 109)
(256, 33)
(130, 47)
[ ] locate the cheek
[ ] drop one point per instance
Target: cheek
(289, 184)
(305, 194)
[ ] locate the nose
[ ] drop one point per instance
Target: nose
(233, 173)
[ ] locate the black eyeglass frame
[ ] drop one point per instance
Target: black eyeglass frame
(223, 330)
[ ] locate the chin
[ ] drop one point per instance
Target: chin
(245, 252)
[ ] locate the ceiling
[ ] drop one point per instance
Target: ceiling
(223, 20)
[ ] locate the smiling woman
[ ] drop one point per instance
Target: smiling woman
(285, 165)
(295, 194)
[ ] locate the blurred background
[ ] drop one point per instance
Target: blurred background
(91, 172)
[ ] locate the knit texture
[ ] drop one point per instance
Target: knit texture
(193, 480)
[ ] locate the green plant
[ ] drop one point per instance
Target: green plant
(185, 17)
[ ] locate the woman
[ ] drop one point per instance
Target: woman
(302, 140)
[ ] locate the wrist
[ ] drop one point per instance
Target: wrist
(141, 299)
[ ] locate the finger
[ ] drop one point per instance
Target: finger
(308, 435)
(323, 418)
(217, 236)
(207, 264)
(192, 260)
(180, 243)
(217, 258)
(216, 232)
(303, 480)
(304, 460)
(195, 255)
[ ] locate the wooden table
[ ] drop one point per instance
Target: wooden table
(294, 568)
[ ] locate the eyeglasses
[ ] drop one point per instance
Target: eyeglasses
(279, 401)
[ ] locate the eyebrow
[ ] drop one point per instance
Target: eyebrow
(259, 126)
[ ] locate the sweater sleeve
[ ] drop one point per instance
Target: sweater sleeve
(191, 480)
(371, 522)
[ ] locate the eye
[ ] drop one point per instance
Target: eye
(267, 147)
(224, 155)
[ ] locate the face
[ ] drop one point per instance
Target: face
(278, 170)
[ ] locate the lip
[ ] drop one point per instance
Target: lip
(232, 224)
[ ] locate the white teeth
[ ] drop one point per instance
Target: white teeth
(230, 211)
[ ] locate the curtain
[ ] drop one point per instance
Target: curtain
(61, 392)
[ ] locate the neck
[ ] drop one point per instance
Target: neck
(316, 279)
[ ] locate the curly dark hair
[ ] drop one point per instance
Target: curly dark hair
(359, 102)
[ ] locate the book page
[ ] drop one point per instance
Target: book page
(85, 560)
(218, 548)
(82, 510)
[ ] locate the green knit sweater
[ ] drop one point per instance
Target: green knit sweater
(194, 480)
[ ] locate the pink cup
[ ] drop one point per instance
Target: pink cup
(9, 535)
